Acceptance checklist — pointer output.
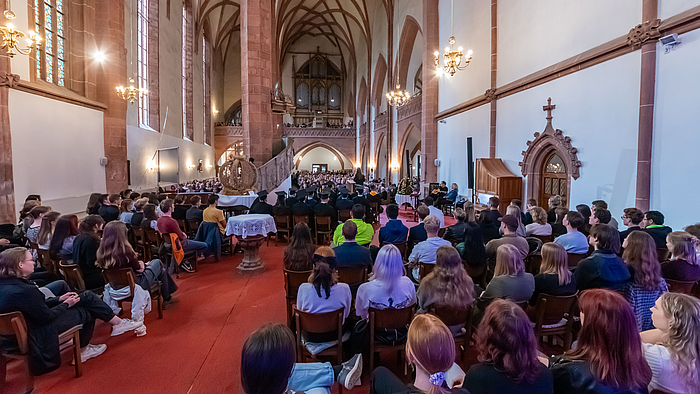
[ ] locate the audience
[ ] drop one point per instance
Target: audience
(600, 216)
(350, 254)
(600, 204)
(684, 264)
(539, 225)
(647, 285)
(365, 232)
(507, 349)
(94, 202)
(167, 226)
(85, 248)
(435, 211)
(493, 211)
(299, 254)
(195, 212)
(514, 210)
(450, 197)
(574, 241)
(608, 357)
(604, 268)
(137, 217)
(180, 209)
(425, 252)
(632, 218)
(554, 202)
(488, 227)
(584, 210)
(455, 232)
(554, 277)
(509, 226)
(34, 220)
(394, 231)
(125, 212)
(417, 233)
(653, 224)
(150, 218)
(64, 233)
(531, 203)
(109, 210)
(43, 237)
(509, 279)
(672, 348)
(324, 209)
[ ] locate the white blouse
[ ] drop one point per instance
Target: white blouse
(375, 294)
(538, 229)
(664, 375)
(309, 301)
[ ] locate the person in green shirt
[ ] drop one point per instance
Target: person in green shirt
(365, 231)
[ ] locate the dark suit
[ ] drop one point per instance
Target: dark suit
(343, 203)
(455, 233)
(281, 210)
(417, 234)
(262, 208)
(351, 255)
(180, 212)
(324, 209)
(194, 213)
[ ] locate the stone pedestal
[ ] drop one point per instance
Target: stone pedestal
(251, 263)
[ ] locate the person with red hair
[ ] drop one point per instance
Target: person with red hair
(609, 355)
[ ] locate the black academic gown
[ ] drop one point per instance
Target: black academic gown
(262, 207)
(324, 209)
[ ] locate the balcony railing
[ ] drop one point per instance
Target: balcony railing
(413, 107)
(306, 132)
(229, 131)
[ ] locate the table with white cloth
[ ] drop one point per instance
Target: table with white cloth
(251, 230)
(402, 199)
(231, 201)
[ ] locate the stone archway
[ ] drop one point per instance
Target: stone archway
(551, 142)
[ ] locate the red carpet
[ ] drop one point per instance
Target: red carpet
(196, 347)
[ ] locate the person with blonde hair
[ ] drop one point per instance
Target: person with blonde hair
(554, 277)
(647, 285)
(684, 264)
(430, 349)
(509, 279)
(672, 348)
(539, 225)
(425, 252)
(448, 285)
(387, 287)
(507, 349)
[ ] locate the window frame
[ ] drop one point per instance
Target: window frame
(143, 60)
(40, 55)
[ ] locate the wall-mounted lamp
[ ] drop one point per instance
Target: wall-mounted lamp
(190, 165)
(99, 56)
(200, 166)
(151, 165)
(215, 111)
(395, 166)
(209, 166)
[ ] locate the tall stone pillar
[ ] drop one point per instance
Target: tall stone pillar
(7, 184)
(109, 18)
(429, 129)
(256, 78)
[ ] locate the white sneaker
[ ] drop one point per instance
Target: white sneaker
(350, 375)
(124, 326)
(92, 351)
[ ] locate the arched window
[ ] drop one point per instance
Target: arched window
(187, 82)
(49, 17)
(554, 178)
(142, 59)
(334, 97)
(302, 95)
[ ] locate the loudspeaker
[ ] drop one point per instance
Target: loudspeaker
(470, 164)
(408, 163)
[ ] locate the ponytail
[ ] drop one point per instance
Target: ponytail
(323, 276)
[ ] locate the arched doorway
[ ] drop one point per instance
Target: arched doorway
(554, 179)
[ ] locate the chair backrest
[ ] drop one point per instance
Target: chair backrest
(344, 214)
(323, 223)
(425, 269)
(153, 236)
(662, 254)
(452, 316)
(441, 232)
(138, 234)
(193, 224)
(13, 324)
(318, 323)
(292, 281)
(301, 218)
(574, 258)
(544, 238)
(681, 286)
(535, 245)
(119, 278)
(352, 276)
(46, 260)
(374, 206)
(402, 249)
(182, 223)
(551, 309)
(73, 275)
(391, 318)
(282, 221)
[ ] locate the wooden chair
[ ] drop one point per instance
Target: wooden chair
(323, 229)
(662, 254)
(374, 209)
(344, 214)
(544, 238)
(574, 259)
(282, 222)
(292, 281)
(13, 325)
(549, 311)
(119, 278)
(301, 218)
(153, 242)
(319, 323)
(140, 242)
(402, 248)
(164, 241)
(425, 269)
(453, 317)
(193, 225)
(682, 286)
(442, 231)
(478, 275)
(73, 275)
(352, 276)
(182, 223)
(389, 319)
(47, 262)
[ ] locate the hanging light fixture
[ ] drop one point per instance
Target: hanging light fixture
(131, 93)
(397, 98)
(454, 60)
(12, 36)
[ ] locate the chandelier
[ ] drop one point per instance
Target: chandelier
(130, 93)
(397, 98)
(11, 37)
(454, 60)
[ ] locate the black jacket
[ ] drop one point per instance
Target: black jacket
(659, 234)
(180, 212)
(136, 219)
(109, 213)
(20, 295)
(281, 210)
(322, 209)
(194, 213)
(455, 233)
(262, 207)
(291, 201)
(85, 255)
(417, 234)
(343, 203)
(575, 377)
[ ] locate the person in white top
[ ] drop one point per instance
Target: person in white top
(388, 287)
(539, 225)
(323, 293)
(435, 211)
(672, 349)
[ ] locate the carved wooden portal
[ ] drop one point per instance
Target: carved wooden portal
(550, 163)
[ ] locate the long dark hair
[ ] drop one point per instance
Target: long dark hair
(474, 251)
(584, 210)
(299, 253)
(66, 226)
(89, 224)
(149, 212)
(93, 201)
(115, 247)
(46, 228)
(267, 359)
(323, 277)
(640, 253)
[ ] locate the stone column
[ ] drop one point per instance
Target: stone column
(7, 183)
(429, 129)
(109, 17)
(256, 78)
(491, 92)
(646, 104)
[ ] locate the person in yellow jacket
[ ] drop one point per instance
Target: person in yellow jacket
(365, 231)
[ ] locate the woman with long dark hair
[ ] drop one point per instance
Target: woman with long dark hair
(33, 222)
(448, 285)
(609, 355)
(150, 218)
(64, 233)
(584, 210)
(85, 247)
(116, 252)
(43, 237)
(94, 203)
(299, 254)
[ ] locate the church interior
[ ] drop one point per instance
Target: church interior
(284, 154)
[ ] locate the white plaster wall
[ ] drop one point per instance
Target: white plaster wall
(668, 8)
(321, 156)
(534, 35)
(56, 151)
(676, 135)
(380, 37)
(472, 32)
(452, 145)
(598, 109)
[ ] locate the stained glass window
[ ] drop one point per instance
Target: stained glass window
(49, 23)
(142, 59)
(556, 165)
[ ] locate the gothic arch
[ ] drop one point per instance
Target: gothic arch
(410, 31)
(549, 141)
(362, 98)
(379, 77)
(318, 144)
(408, 131)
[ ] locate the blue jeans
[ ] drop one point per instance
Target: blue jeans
(312, 378)
(190, 245)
